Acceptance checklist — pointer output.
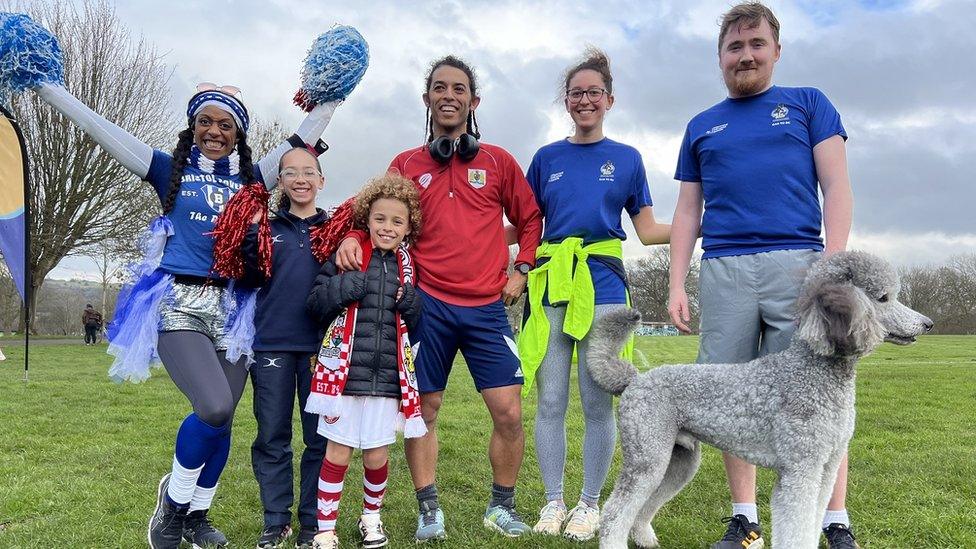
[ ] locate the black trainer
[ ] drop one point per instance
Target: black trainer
(274, 537)
(839, 536)
(166, 522)
(199, 532)
(306, 535)
(741, 534)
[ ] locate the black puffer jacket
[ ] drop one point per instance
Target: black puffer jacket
(373, 368)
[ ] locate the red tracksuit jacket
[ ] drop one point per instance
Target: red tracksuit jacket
(461, 254)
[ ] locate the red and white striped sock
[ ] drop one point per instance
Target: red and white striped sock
(374, 488)
(330, 491)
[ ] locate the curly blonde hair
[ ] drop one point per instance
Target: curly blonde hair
(393, 186)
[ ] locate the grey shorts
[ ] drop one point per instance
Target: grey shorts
(748, 303)
(196, 308)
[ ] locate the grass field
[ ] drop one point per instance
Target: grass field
(80, 457)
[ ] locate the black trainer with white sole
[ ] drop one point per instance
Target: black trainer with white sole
(199, 532)
(166, 523)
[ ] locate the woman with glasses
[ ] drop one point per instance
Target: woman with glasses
(285, 345)
(582, 184)
(177, 294)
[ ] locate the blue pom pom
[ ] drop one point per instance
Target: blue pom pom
(335, 64)
(29, 54)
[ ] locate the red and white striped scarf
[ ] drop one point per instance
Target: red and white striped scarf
(332, 364)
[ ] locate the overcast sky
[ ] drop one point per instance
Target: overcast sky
(901, 73)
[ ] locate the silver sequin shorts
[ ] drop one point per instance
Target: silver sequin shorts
(196, 308)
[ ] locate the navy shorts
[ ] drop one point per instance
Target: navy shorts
(483, 336)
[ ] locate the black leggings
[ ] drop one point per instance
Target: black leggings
(211, 383)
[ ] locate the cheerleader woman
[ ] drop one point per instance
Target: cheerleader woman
(210, 163)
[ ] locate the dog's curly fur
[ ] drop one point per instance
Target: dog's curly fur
(795, 415)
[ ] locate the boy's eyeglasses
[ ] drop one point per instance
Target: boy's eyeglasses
(575, 95)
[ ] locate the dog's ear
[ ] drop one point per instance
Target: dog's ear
(838, 319)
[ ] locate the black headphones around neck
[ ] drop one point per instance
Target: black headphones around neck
(443, 148)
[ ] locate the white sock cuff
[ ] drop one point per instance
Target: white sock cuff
(748, 509)
(202, 497)
(183, 482)
(830, 517)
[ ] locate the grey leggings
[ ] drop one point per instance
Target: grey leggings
(600, 433)
(211, 383)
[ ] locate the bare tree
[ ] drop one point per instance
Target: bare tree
(263, 136)
(649, 291)
(81, 196)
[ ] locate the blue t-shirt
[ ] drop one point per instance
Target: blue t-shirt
(201, 198)
(754, 159)
(581, 190)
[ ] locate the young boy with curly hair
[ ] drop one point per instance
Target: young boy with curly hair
(364, 387)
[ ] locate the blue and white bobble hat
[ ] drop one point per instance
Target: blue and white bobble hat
(223, 101)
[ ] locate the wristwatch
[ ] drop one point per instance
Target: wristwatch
(523, 268)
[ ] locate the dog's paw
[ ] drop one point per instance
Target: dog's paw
(644, 536)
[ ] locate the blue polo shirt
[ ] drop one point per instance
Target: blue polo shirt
(754, 159)
(582, 190)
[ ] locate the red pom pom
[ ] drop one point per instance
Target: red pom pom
(231, 228)
(304, 101)
(327, 236)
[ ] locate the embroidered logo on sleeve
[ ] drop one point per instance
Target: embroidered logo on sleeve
(555, 177)
(716, 129)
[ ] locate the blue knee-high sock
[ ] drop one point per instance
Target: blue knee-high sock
(210, 474)
(196, 442)
(215, 463)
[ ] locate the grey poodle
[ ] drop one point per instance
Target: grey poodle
(796, 414)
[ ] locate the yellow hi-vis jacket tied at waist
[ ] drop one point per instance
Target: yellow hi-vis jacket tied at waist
(565, 285)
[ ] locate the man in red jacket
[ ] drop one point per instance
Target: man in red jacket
(462, 258)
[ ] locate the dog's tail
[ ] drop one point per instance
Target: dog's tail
(610, 334)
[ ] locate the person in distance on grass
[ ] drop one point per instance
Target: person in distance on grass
(285, 342)
(465, 187)
(364, 387)
(92, 321)
(582, 183)
(755, 162)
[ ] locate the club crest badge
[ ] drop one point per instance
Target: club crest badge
(424, 180)
(606, 171)
(477, 178)
(780, 112)
(217, 197)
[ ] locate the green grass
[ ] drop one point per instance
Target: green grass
(80, 457)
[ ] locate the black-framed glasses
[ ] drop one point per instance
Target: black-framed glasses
(575, 95)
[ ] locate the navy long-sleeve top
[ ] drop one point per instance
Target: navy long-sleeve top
(280, 321)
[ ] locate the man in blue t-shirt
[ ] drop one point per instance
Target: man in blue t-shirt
(755, 161)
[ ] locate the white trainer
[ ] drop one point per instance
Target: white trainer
(583, 522)
(325, 540)
(371, 529)
(551, 519)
